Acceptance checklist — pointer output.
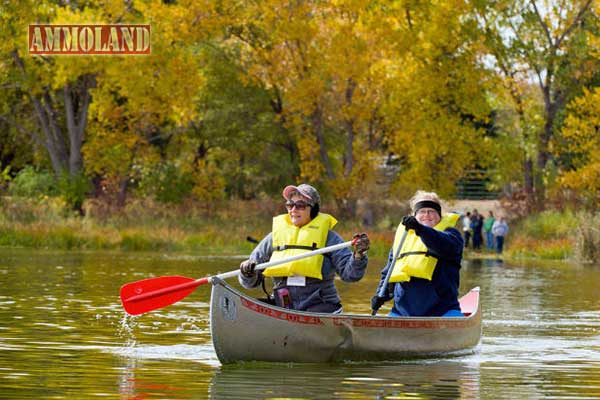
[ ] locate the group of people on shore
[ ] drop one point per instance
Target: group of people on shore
(421, 274)
(474, 225)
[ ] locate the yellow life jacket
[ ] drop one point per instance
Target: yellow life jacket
(290, 240)
(414, 259)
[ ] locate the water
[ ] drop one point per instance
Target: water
(63, 334)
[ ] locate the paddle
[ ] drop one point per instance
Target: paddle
(386, 281)
(154, 293)
(251, 239)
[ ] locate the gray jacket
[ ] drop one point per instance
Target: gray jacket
(316, 292)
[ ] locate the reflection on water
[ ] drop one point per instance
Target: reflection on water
(430, 380)
(63, 334)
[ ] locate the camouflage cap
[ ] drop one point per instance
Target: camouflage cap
(307, 191)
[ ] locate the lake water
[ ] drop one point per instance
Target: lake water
(64, 335)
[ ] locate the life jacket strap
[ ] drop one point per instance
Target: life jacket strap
(427, 253)
(294, 246)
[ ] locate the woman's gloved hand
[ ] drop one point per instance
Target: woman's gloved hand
(410, 222)
(247, 268)
(361, 245)
(376, 302)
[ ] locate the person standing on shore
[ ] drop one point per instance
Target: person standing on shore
(466, 222)
(499, 230)
(487, 227)
(476, 227)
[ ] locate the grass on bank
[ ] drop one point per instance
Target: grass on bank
(144, 225)
(556, 235)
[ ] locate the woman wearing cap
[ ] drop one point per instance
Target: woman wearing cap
(425, 275)
(306, 284)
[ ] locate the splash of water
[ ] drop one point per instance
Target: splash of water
(126, 330)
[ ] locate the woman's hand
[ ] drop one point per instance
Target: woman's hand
(361, 245)
(247, 268)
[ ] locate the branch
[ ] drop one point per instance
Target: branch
(24, 130)
(54, 129)
(89, 82)
(69, 110)
(542, 23)
(578, 18)
(527, 55)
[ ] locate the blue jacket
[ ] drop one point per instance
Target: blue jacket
(421, 297)
(316, 291)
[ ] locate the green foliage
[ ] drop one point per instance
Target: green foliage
(550, 225)
(561, 249)
(73, 189)
(30, 182)
(241, 136)
(547, 51)
(5, 178)
(167, 183)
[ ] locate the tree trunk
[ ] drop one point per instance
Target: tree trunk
(543, 145)
(49, 141)
(64, 148)
(77, 101)
(347, 207)
(122, 195)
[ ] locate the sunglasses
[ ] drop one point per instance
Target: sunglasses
(300, 205)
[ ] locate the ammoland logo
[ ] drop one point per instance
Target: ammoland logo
(51, 39)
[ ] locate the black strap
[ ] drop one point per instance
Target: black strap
(294, 246)
(269, 296)
(427, 253)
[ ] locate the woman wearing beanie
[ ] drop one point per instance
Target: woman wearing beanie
(422, 272)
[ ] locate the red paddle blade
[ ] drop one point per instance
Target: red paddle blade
(154, 293)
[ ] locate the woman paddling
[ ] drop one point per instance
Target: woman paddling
(307, 284)
(425, 263)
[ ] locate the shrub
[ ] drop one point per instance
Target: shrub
(32, 183)
(74, 188)
(587, 245)
(550, 225)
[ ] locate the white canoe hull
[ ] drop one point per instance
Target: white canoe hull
(245, 329)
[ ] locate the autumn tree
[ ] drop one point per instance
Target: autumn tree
(318, 62)
(140, 104)
(115, 110)
(436, 97)
(55, 92)
(239, 132)
(539, 43)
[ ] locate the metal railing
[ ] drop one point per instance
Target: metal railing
(475, 185)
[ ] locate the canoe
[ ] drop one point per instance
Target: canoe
(246, 329)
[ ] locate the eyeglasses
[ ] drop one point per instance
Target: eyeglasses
(427, 211)
(300, 205)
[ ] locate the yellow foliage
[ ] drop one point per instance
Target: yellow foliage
(311, 168)
(583, 141)
(209, 184)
